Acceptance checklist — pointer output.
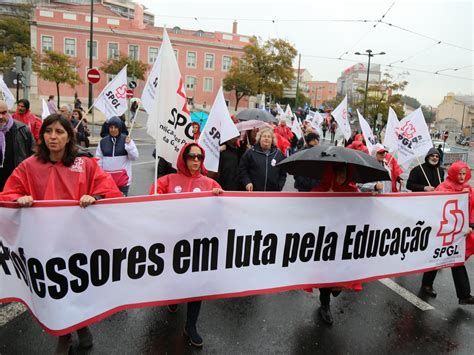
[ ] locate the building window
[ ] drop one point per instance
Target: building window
(94, 49)
(152, 54)
(175, 53)
(176, 30)
(191, 82)
(46, 43)
(208, 84)
(209, 61)
(70, 47)
(191, 62)
(226, 63)
(113, 51)
(133, 51)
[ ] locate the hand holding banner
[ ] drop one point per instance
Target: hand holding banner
(219, 128)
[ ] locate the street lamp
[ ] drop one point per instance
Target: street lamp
(370, 55)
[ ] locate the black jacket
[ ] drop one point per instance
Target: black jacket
(417, 180)
(305, 183)
(229, 161)
(259, 168)
(24, 142)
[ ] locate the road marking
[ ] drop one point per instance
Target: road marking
(410, 297)
(143, 163)
(10, 311)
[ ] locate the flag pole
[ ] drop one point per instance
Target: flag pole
(134, 119)
(423, 170)
(83, 116)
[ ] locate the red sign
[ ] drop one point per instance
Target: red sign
(93, 75)
(445, 136)
(129, 94)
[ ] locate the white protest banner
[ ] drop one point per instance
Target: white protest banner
(73, 266)
(390, 139)
(7, 94)
(112, 101)
(219, 128)
(340, 115)
(288, 112)
(165, 100)
(414, 138)
(45, 109)
(296, 128)
(370, 140)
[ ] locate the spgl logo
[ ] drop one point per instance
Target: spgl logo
(407, 135)
(450, 226)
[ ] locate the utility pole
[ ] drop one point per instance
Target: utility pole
(91, 51)
(298, 81)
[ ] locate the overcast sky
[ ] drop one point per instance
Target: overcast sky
(300, 22)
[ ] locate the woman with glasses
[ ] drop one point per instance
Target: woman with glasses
(191, 177)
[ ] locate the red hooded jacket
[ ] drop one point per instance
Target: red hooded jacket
(48, 181)
(183, 181)
(452, 184)
(395, 170)
(358, 145)
(33, 122)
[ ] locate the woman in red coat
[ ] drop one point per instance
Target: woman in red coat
(57, 172)
(191, 177)
(459, 175)
(336, 178)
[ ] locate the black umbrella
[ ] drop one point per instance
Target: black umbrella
(310, 162)
(256, 114)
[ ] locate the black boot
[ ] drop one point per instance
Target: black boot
(64, 344)
(428, 290)
(190, 330)
(172, 308)
(465, 301)
(325, 313)
(85, 338)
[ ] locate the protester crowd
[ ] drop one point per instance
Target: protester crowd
(43, 160)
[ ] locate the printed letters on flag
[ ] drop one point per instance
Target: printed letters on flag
(219, 128)
(112, 101)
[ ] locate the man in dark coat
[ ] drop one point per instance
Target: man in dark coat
(16, 143)
(305, 183)
(426, 177)
(228, 175)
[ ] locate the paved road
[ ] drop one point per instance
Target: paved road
(386, 317)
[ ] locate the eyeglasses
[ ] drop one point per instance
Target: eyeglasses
(194, 156)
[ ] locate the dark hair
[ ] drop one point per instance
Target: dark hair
(25, 102)
(51, 97)
(70, 153)
(79, 112)
(188, 149)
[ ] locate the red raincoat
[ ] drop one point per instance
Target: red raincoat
(48, 181)
(282, 143)
(358, 145)
(284, 132)
(328, 183)
(451, 184)
(183, 181)
(33, 122)
(395, 170)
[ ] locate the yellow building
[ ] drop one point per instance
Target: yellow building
(456, 113)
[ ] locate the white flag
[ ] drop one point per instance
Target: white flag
(367, 133)
(340, 115)
(296, 128)
(45, 112)
(315, 119)
(280, 111)
(414, 138)
(288, 113)
(112, 101)
(390, 139)
(165, 100)
(262, 102)
(7, 94)
(219, 128)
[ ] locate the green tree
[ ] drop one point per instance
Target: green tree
(381, 96)
(58, 68)
(241, 80)
(136, 68)
(269, 65)
(15, 37)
